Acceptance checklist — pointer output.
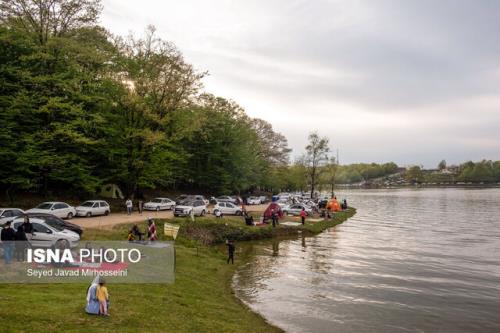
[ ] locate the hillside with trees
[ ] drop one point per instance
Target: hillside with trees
(81, 108)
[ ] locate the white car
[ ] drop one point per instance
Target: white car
(254, 201)
(198, 207)
(93, 208)
(59, 209)
(9, 214)
(295, 209)
(160, 204)
(226, 198)
(227, 208)
(283, 203)
(45, 235)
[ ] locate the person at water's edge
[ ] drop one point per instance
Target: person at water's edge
(230, 251)
(303, 215)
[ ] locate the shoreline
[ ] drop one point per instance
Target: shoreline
(200, 299)
(247, 256)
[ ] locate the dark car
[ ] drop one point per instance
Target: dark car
(55, 221)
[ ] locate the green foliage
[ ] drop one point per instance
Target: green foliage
(80, 108)
(355, 173)
(484, 171)
(414, 174)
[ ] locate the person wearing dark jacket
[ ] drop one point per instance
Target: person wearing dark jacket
(28, 228)
(230, 251)
(21, 243)
(8, 236)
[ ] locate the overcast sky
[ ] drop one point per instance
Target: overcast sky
(406, 81)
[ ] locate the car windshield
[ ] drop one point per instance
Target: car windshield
(87, 204)
(55, 224)
(156, 200)
(188, 203)
(44, 206)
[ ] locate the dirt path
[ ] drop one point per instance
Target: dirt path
(107, 222)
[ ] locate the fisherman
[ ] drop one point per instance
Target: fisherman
(230, 251)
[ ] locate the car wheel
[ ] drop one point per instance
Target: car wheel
(238, 212)
(106, 213)
(89, 214)
(70, 216)
(216, 211)
(62, 244)
(285, 213)
(202, 213)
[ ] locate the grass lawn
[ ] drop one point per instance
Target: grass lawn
(200, 300)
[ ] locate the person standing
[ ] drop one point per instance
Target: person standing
(128, 203)
(28, 228)
(152, 230)
(21, 243)
(102, 297)
(8, 236)
(274, 217)
(303, 215)
(230, 251)
(140, 206)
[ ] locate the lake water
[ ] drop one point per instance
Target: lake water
(425, 260)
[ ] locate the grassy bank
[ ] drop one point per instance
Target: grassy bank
(200, 300)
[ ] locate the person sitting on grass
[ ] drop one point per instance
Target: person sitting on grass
(218, 214)
(248, 219)
(102, 297)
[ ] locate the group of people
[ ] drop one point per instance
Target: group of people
(130, 206)
(135, 234)
(98, 298)
(15, 242)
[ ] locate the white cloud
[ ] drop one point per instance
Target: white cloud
(412, 81)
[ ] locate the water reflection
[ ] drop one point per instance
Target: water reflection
(410, 260)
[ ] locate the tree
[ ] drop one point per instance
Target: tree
(414, 174)
(316, 155)
(49, 18)
(330, 171)
(273, 146)
(442, 165)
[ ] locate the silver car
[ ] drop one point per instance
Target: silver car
(295, 209)
(9, 214)
(45, 235)
(198, 207)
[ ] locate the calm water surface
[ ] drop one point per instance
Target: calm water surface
(408, 261)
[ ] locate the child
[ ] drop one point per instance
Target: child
(102, 297)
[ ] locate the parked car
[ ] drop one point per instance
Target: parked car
(283, 203)
(198, 207)
(45, 235)
(253, 201)
(226, 198)
(263, 199)
(93, 208)
(227, 208)
(59, 209)
(9, 214)
(56, 222)
(295, 209)
(159, 204)
(183, 199)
